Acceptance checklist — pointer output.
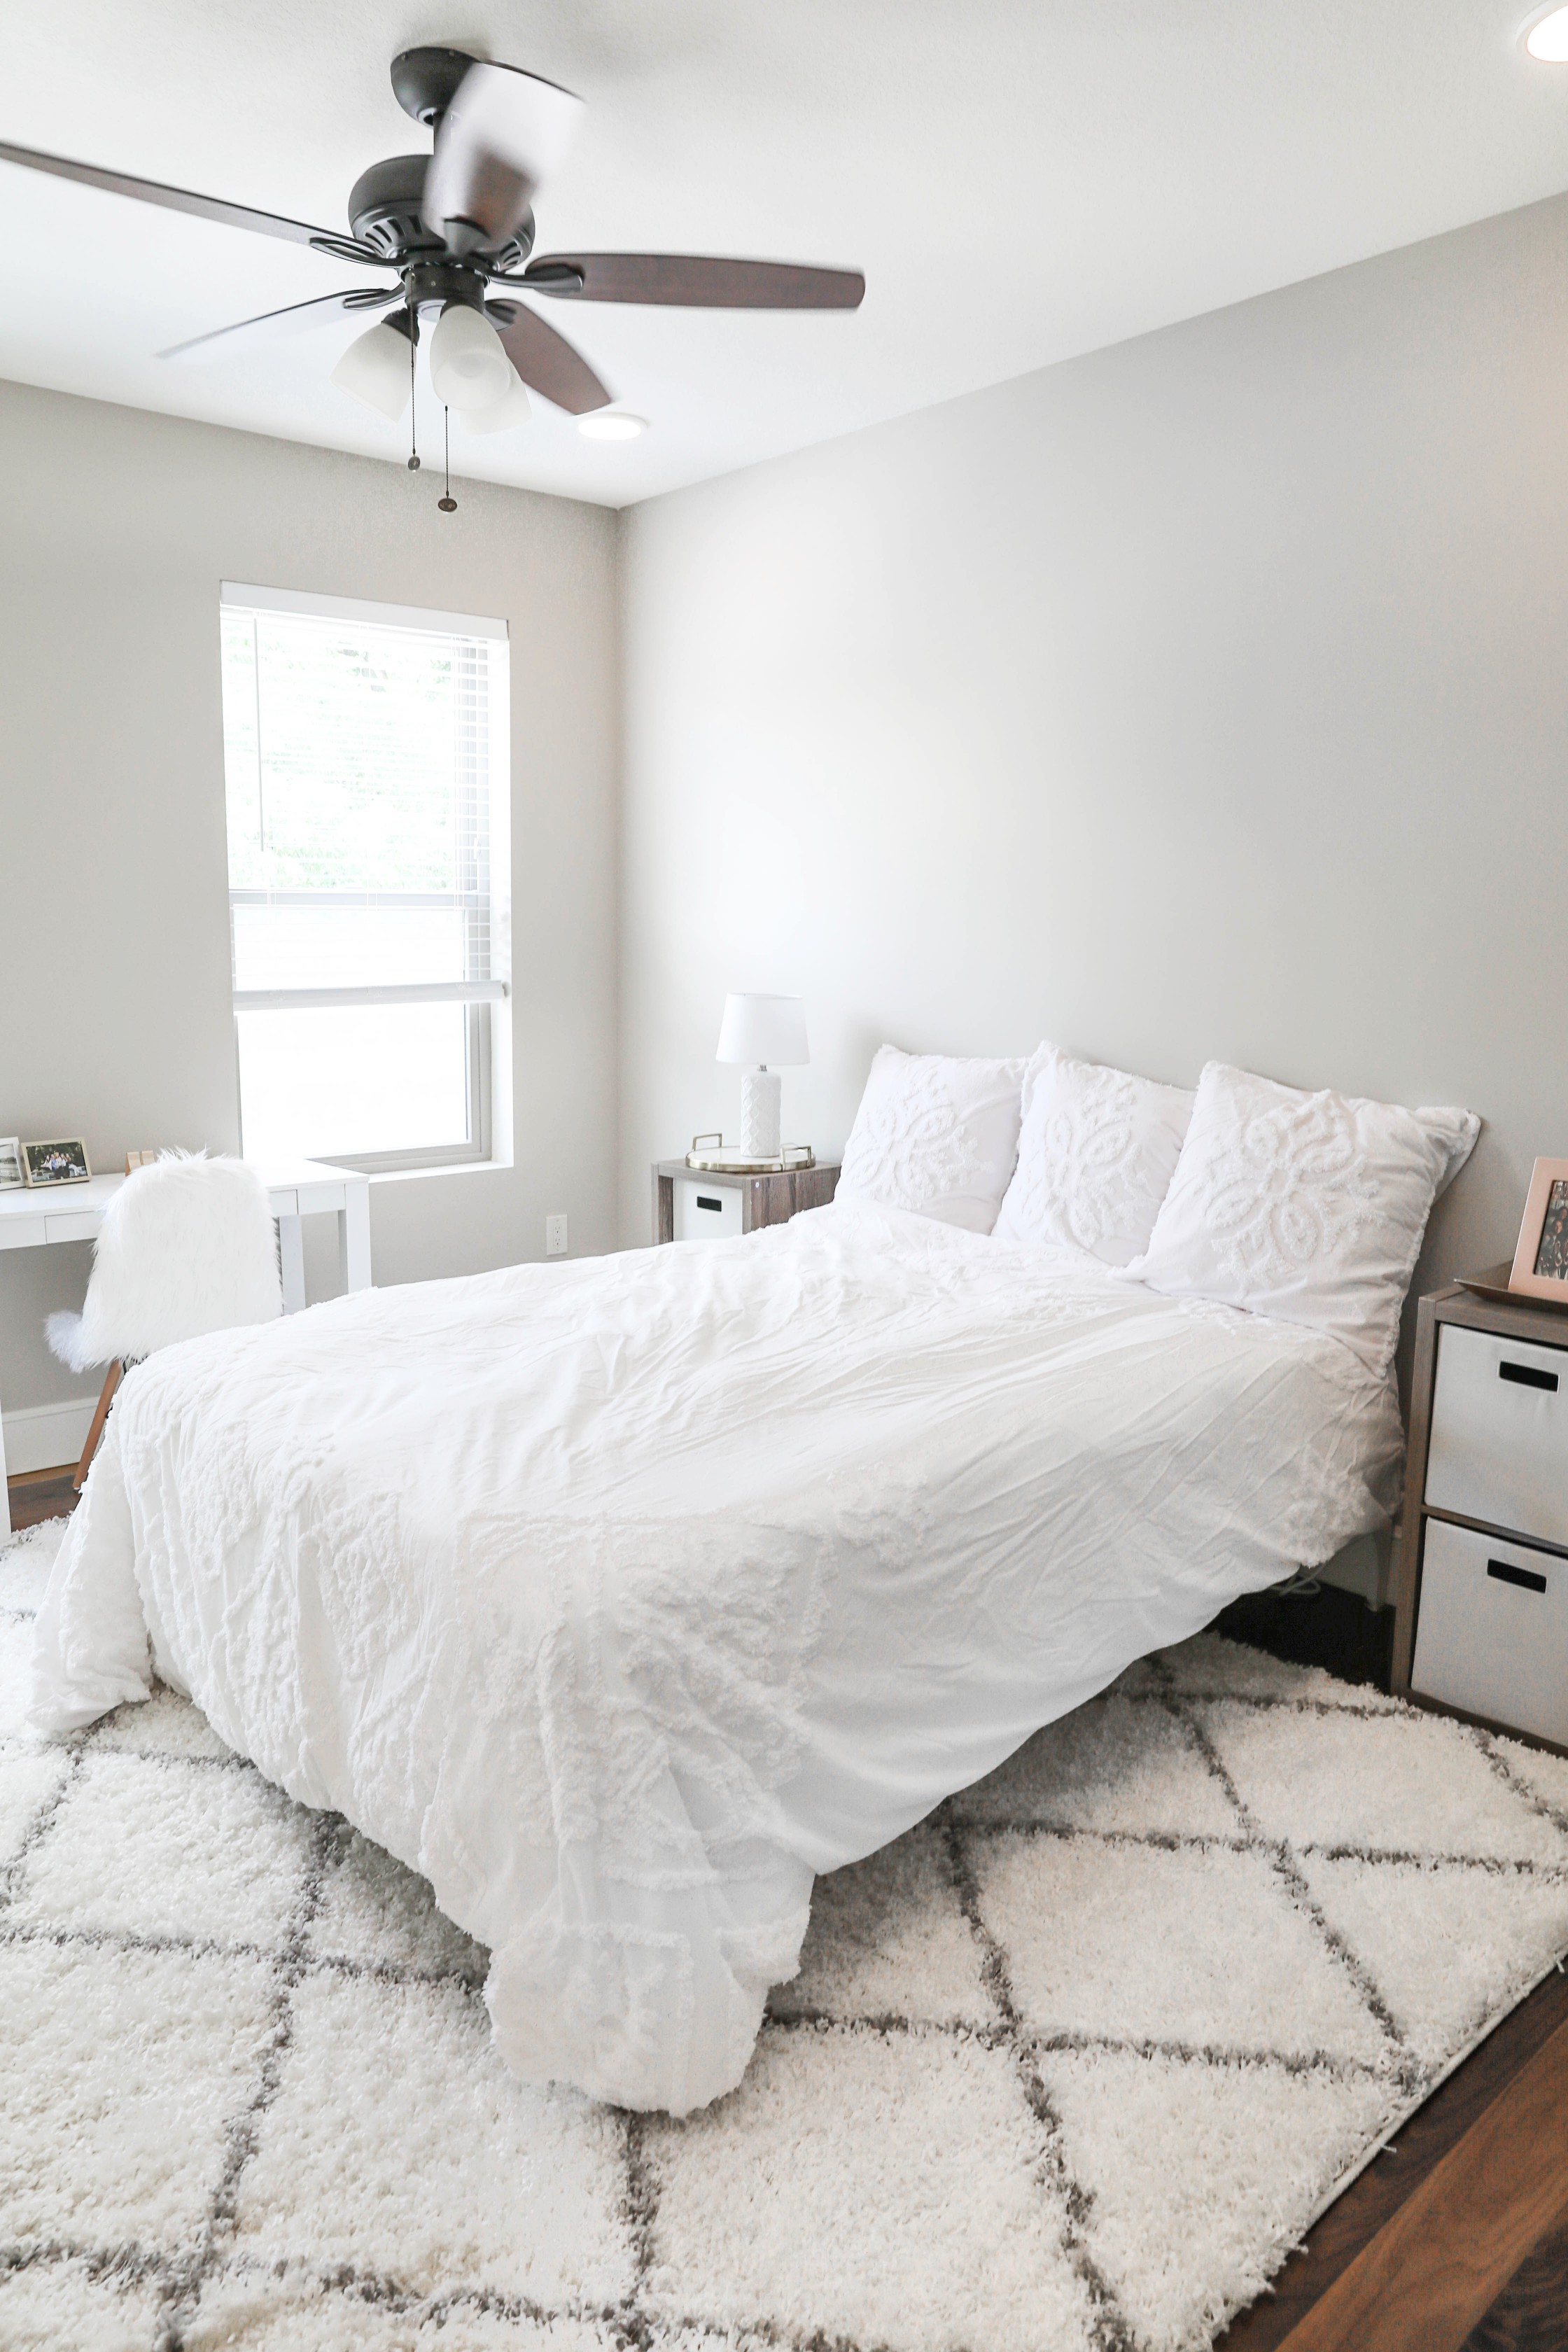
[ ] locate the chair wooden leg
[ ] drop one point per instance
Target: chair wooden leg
(105, 1399)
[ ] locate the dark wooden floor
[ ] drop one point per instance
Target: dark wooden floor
(1456, 2241)
(39, 1495)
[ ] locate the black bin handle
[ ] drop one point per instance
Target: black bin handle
(1529, 1579)
(1526, 1376)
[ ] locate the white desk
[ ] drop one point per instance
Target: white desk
(295, 1190)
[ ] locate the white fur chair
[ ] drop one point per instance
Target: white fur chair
(186, 1245)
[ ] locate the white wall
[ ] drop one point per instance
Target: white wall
(115, 960)
(1204, 696)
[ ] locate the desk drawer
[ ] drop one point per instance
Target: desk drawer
(1499, 1433)
(1492, 1632)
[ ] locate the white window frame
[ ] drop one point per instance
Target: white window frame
(488, 1025)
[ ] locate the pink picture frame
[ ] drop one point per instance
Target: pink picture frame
(1543, 1236)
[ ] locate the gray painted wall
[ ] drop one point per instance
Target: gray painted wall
(114, 958)
(1203, 697)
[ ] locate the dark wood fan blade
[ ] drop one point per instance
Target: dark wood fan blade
(504, 131)
(694, 281)
(269, 325)
(546, 360)
(174, 200)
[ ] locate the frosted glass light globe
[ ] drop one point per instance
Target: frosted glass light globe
(511, 409)
(468, 365)
(375, 369)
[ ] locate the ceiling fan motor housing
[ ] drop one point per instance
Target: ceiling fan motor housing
(384, 214)
(384, 207)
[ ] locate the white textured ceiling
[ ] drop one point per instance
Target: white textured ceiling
(1020, 180)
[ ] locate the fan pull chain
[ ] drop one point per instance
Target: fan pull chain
(413, 400)
(448, 505)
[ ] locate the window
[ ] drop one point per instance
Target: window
(366, 759)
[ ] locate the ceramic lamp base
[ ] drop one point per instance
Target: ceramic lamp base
(762, 1120)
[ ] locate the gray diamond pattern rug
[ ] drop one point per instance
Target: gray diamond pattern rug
(1069, 2068)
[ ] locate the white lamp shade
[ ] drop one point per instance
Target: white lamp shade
(511, 409)
(763, 1029)
(376, 368)
(468, 365)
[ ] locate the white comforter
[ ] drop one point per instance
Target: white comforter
(620, 1597)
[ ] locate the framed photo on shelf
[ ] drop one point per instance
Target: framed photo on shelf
(64, 1161)
(1541, 1260)
(10, 1162)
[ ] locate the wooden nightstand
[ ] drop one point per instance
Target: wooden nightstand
(1481, 1578)
(691, 1205)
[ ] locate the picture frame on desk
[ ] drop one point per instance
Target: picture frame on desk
(1540, 1268)
(61, 1161)
(11, 1177)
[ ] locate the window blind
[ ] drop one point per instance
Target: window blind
(358, 756)
(363, 748)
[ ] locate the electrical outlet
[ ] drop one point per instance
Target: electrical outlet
(554, 1236)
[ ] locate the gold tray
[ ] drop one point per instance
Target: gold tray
(708, 1154)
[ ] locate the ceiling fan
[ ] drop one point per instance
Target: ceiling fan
(456, 230)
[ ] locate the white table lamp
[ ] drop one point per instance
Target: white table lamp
(759, 1030)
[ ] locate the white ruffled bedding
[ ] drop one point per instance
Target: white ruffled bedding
(620, 1597)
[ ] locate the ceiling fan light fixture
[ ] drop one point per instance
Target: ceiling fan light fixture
(374, 369)
(512, 409)
(468, 365)
(1546, 37)
(612, 425)
(455, 227)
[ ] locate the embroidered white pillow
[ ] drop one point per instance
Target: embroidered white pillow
(1096, 1154)
(1309, 1207)
(937, 1133)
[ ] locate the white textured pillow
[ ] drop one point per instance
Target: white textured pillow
(937, 1133)
(1096, 1153)
(1309, 1207)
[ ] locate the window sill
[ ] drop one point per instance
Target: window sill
(446, 1168)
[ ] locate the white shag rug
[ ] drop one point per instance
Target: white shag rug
(1069, 2068)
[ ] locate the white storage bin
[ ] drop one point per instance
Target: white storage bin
(1499, 1433)
(1492, 1632)
(705, 1213)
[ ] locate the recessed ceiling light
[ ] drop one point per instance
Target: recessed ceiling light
(1547, 37)
(617, 425)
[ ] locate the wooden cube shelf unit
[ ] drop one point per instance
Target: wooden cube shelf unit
(1481, 1574)
(746, 1202)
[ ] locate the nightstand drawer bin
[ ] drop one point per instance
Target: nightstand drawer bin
(1493, 1634)
(706, 1213)
(1499, 1433)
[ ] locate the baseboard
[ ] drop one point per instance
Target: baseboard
(47, 1437)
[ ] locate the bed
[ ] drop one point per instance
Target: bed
(621, 1597)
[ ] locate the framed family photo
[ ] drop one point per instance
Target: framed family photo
(1541, 1260)
(59, 1162)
